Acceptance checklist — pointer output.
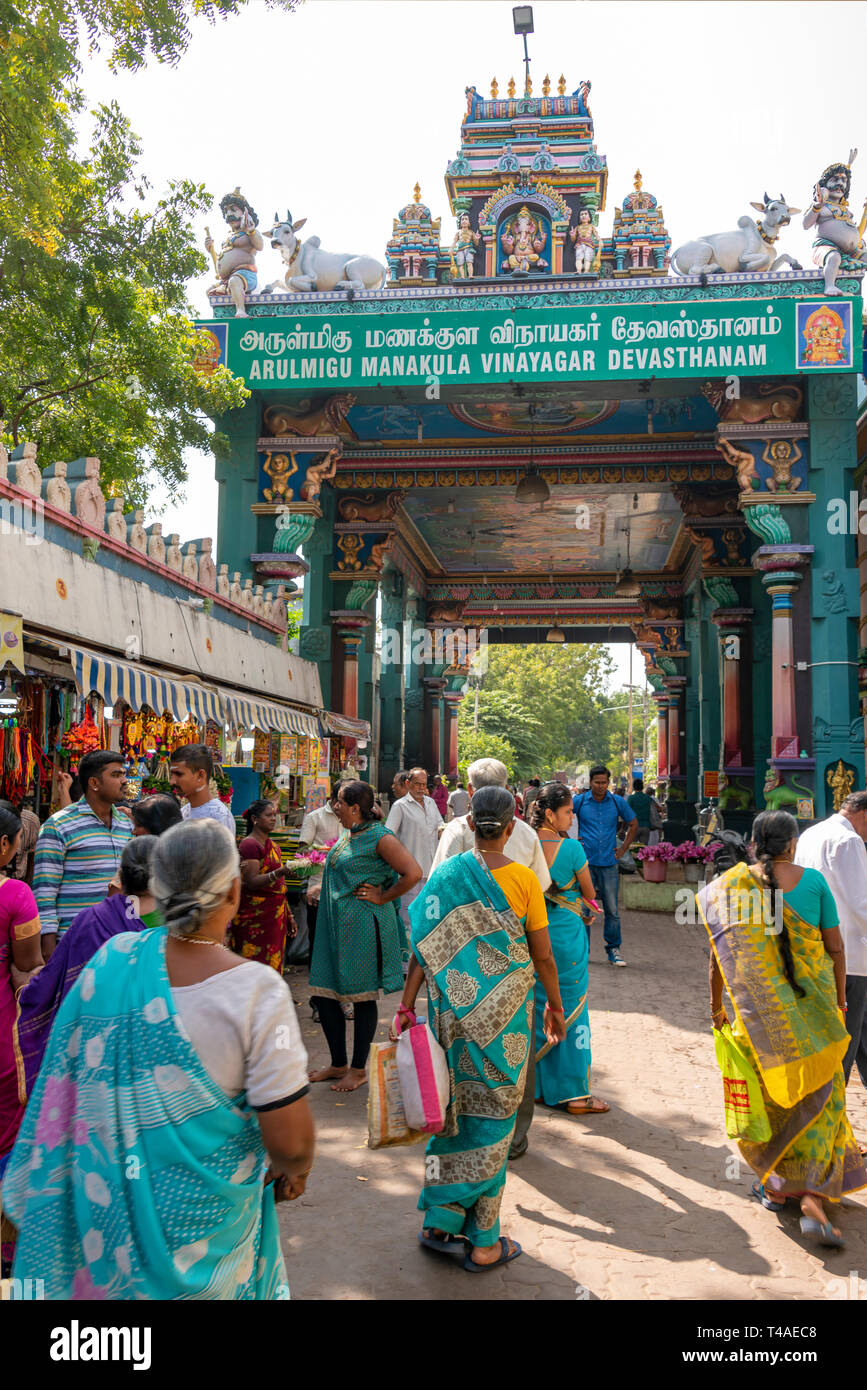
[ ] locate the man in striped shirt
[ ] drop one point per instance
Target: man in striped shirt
(79, 847)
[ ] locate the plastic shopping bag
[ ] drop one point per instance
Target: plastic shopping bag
(423, 1070)
(746, 1117)
(386, 1117)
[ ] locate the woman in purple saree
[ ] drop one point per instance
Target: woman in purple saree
(133, 909)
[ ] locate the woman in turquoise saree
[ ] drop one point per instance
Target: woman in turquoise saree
(478, 931)
(563, 1073)
(778, 952)
(135, 1175)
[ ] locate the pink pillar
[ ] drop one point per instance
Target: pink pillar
(661, 735)
(674, 735)
(351, 641)
(781, 586)
(452, 700)
(731, 628)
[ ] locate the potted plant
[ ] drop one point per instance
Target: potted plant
(655, 860)
(692, 857)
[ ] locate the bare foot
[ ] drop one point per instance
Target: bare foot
(489, 1254)
(812, 1206)
(327, 1073)
(350, 1080)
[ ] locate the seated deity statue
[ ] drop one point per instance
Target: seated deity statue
(523, 240)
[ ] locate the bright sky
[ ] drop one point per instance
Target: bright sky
(334, 112)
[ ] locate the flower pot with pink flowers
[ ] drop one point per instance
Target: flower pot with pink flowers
(655, 860)
(693, 857)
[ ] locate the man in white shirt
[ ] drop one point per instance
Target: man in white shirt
(190, 772)
(459, 802)
(836, 848)
(522, 847)
(416, 822)
(318, 829)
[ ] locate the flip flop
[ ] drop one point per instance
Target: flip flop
(443, 1244)
(761, 1196)
(823, 1235)
(601, 1107)
(505, 1256)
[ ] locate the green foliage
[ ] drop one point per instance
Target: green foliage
(98, 345)
(503, 715)
(562, 688)
(483, 745)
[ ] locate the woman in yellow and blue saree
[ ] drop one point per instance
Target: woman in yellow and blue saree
(479, 931)
(777, 950)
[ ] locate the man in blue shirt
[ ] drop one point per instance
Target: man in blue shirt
(598, 812)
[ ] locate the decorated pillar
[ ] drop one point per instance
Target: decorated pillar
(770, 460)
(452, 700)
(434, 687)
(391, 678)
(780, 563)
(835, 645)
(675, 686)
(350, 632)
(661, 703)
(415, 636)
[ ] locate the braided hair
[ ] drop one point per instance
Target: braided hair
(773, 832)
(552, 796)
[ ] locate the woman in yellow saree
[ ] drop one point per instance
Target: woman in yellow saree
(777, 950)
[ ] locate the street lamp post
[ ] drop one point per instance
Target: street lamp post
(522, 18)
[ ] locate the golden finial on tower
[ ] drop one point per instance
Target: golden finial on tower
(528, 86)
(416, 193)
(511, 87)
(561, 86)
(494, 88)
(638, 180)
(546, 86)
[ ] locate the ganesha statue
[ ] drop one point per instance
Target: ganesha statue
(523, 240)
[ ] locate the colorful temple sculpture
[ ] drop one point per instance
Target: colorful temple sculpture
(544, 423)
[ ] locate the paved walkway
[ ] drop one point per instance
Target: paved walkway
(648, 1201)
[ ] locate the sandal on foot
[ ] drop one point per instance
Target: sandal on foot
(444, 1244)
(761, 1196)
(505, 1256)
(822, 1235)
(593, 1106)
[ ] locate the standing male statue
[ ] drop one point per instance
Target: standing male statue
(839, 244)
(236, 263)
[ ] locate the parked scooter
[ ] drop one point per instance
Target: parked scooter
(728, 847)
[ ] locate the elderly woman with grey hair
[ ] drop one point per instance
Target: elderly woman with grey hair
(171, 1097)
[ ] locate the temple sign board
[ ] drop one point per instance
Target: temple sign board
(605, 342)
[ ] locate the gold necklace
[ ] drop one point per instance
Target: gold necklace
(197, 940)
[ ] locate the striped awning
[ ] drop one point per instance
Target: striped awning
(120, 680)
(345, 725)
(249, 712)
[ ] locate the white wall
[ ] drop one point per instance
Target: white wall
(105, 609)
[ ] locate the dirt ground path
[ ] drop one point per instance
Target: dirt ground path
(648, 1201)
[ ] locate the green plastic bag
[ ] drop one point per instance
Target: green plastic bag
(746, 1117)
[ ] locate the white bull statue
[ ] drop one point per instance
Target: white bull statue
(308, 267)
(751, 247)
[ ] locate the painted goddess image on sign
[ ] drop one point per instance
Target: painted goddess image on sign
(824, 335)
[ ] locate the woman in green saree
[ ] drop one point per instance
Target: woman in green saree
(777, 950)
(359, 936)
(479, 933)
